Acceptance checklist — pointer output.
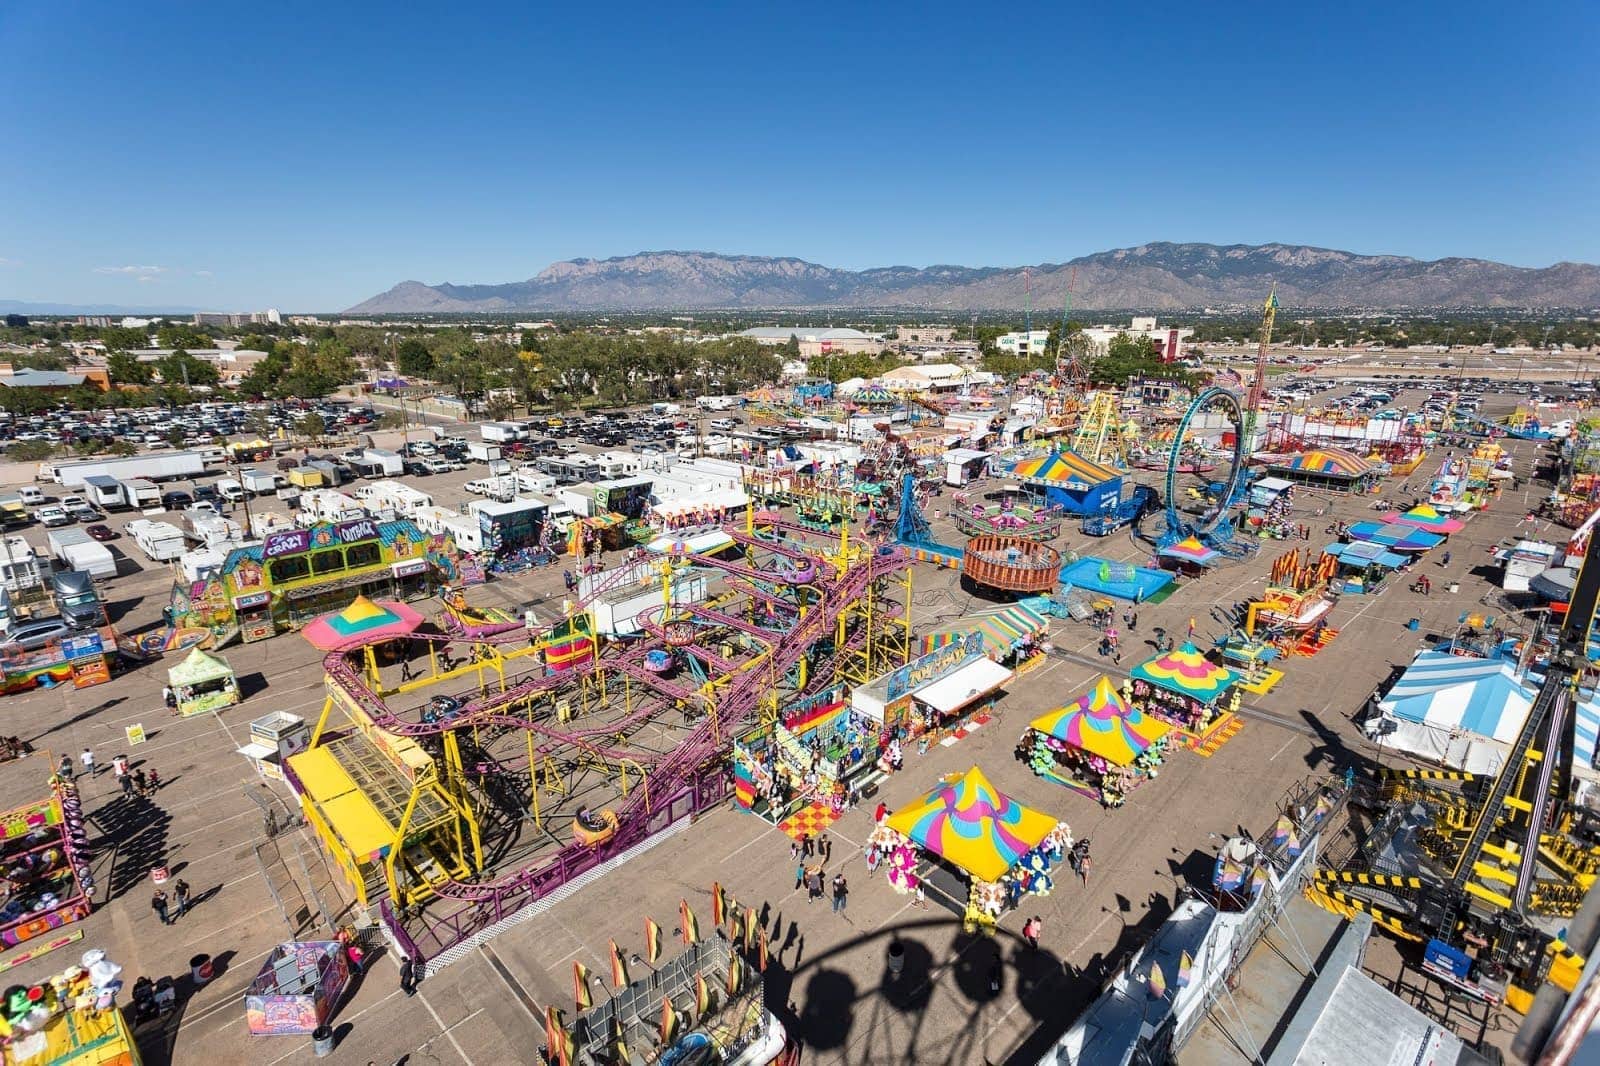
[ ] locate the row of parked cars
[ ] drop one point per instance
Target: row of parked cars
(200, 422)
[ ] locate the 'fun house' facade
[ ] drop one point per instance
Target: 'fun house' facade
(294, 575)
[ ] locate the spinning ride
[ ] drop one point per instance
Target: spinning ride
(1212, 525)
(1011, 564)
(1009, 519)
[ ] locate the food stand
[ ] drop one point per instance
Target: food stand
(1186, 690)
(273, 738)
(298, 988)
(202, 683)
(1097, 745)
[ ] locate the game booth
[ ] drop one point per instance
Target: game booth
(817, 753)
(202, 683)
(45, 880)
(1186, 690)
(1188, 556)
(1097, 745)
(965, 829)
(70, 1019)
(947, 691)
(298, 989)
(1362, 566)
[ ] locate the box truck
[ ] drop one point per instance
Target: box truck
(259, 482)
(104, 492)
(142, 495)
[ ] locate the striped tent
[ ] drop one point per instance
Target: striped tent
(1326, 462)
(1186, 671)
(1099, 723)
(1003, 628)
(1398, 537)
(1063, 469)
(971, 824)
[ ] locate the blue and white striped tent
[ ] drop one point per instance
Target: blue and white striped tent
(1465, 712)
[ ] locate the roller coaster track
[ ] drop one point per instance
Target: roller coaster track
(735, 707)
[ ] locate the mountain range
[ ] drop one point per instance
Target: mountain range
(1158, 277)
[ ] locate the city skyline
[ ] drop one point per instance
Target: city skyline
(308, 165)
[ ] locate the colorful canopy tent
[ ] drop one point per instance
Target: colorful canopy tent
(1099, 723)
(364, 619)
(874, 396)
(1068, 480)
(1425, 516)
(1186, 672)
(203, 682)
(1398, 537)
(1465, 713)
(1003, 629)
(970, 824)
(1331, 467)
(1189, 550)
(1366, 553)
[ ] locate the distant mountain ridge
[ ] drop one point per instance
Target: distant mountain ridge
(1160, 277)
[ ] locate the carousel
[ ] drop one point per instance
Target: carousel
(966, 830)
(1012, 519)
(1097, 745)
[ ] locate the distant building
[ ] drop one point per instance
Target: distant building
(814, 341)
(1024, 343)
(1171, 340)
(269, 317)
(102, 321)
(932, 377)
(52, 380)
(924, 334)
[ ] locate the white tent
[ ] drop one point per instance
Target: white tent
(1465, 713)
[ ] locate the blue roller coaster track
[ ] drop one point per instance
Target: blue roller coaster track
(1215, 527)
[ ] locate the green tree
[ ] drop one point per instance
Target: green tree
(117, 338)
(310, 424)
(414, 358)
(124, 369)
(49, 359)
(181, 368)
(30, 451)
(180, 335)
(175, 435)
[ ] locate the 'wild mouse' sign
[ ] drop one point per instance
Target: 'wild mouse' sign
(325, 535)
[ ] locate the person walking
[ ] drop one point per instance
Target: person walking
(808, 846)
(170, 698)
(1444, 560)
(180, 892)
(799, 874)
(1031, 930)
(841, 893)
(155, 779)
(825, 847)
(158, 903)
(139, 781)
(87, 758)
(408, 976)
(126, 781)
(872, 859)
(794, 851)
(65, 769)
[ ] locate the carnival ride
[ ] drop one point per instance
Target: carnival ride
(1011, 564)
(1008, 518)
(1213, 525)
(1101, 435)
(511, 765)
(1487, 871)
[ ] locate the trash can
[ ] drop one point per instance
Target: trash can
(200, 969)
(322, 1041)
(897, 959)
(1414, 624)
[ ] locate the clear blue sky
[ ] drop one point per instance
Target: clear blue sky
(306, 156)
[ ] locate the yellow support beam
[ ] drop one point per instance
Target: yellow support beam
(1488, 896)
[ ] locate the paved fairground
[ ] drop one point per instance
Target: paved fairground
(828, 979)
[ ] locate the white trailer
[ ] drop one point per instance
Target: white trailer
(79, 551)
(483, 452)
(259, 482)
(160, 541)
(503, 432)
(142, 495)
(104, 491)
(156, 466)
(389, 464)
(442, 521)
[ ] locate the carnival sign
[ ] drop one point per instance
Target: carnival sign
(294, 541)
(939, 661)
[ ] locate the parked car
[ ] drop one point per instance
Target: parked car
(176, 501)
(31, 636)
(54, 516)
(86, 513)
(101, 531)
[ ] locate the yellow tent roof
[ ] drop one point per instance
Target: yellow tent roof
(971, 824)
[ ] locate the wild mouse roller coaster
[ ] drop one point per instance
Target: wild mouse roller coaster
(1214, 523)
(453, 798)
